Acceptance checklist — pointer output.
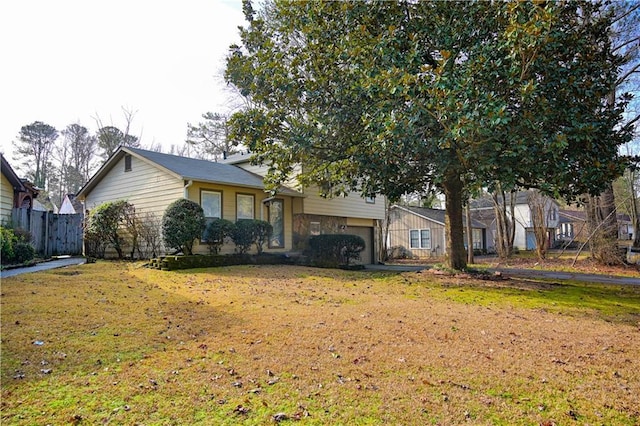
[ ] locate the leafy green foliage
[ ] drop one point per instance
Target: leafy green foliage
(248, 232)
(110, 138)
(105, 227)
(36, 143)
(332, 250)
(7, 242)
(182, 223)
(216, 232)
(397, 97)
(23, 252)
(15, 246)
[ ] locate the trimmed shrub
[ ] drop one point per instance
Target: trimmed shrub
(15, 246)
(105, 225)
(250, 231)
(182, 223)
(7, 242)
(333, 250)
(171, 263)
(216, 233)
(23, 252)
(262, 232)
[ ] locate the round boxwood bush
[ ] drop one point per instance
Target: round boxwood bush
(182, 223)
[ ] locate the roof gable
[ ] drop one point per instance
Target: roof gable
(436, 215)
(13, 178)
(185, 168)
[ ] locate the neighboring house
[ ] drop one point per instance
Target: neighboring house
(71, 205)
(315, 215)
(573, 226)
(151, 181)
(483, 210)
(421, 231)
(11, 187)
(14, 192)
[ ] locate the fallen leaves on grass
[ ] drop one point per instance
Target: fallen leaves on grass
(248, 344)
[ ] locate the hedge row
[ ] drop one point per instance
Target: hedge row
(172, 263)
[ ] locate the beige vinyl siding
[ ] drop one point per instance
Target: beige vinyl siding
(351, 206)
(148, 188)
(6, 200)
(257, 169)
(403, 222)
(262, 170)
(229, 211)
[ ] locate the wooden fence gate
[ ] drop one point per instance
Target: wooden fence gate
(52, 234)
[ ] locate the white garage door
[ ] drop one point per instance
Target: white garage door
(366, 232)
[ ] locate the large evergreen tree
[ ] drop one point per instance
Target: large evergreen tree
(36, 142)
(394, 97)
(210, 139)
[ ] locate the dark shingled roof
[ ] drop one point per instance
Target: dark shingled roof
(191, 169)
(438, 215)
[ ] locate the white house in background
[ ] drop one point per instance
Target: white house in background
(482, 210)
(11, 186)
(70, 205)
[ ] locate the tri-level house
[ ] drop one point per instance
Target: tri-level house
(231, 190)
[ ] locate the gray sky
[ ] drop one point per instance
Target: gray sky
(68, 61)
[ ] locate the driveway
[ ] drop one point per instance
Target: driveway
(525, 273)
(52, 264)
(559, 275)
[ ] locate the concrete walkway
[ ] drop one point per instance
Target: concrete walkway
(52, 264)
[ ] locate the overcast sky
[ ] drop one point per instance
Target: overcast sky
(70, 61)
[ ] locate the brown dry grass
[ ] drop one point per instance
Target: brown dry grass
(128, 345)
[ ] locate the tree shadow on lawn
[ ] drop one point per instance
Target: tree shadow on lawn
(68, 324)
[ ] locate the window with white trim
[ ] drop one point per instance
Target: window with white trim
(420, 238)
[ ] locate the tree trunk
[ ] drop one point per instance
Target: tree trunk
(470, 259)
(456, 255)
(635, 220)
(504, 222)
(603, 226)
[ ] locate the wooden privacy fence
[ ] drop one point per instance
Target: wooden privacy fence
(52, 234)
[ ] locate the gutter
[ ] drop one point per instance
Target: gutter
(186, 189)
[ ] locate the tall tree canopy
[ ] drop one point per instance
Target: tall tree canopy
(74, 155)
(391, 97)
(36, 143)
(110, 138)
(210, 138)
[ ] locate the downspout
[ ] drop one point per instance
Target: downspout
(186, 189)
